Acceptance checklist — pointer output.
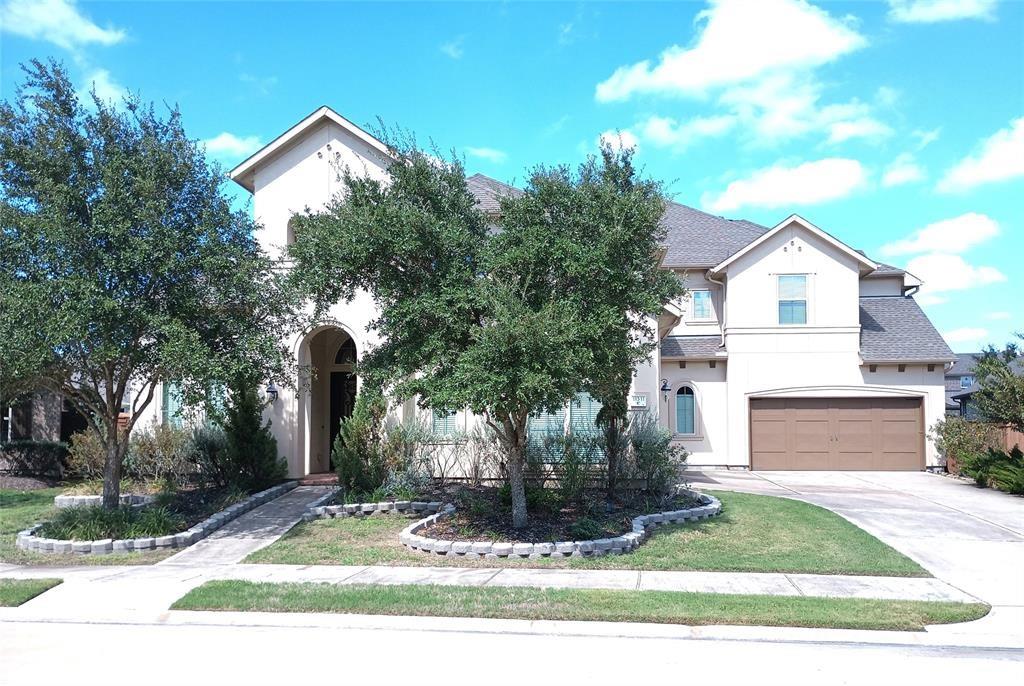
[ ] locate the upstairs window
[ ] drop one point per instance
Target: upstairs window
(966, 381)
(792, 299)
(701, 305)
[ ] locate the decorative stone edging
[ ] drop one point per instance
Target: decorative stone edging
(62, 501)
(317, 509)
(642, 526)
(27, 540)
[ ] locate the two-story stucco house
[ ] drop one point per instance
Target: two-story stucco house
(792, 351)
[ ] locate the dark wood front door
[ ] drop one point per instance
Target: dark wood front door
(343, 398)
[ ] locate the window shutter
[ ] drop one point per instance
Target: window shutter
(170, 413)
(443, 423)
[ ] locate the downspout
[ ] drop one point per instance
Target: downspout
(724, 306)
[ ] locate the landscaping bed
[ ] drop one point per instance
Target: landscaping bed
(663, 607)
(485, 514)
(14, 592)
(754, 533)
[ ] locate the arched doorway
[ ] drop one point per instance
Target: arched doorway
(332, 392)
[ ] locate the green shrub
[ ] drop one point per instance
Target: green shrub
(1005, 471)
(585, 529)
(86, 455)
(250, 453)
(95, 522)
(34, 458)
(210, 454)
(653, 458)
(538, 498)
(963, 443)
(161, 453)
(357, 449)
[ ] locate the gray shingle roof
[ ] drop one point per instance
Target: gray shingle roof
(488, 192)
(964, 365)
(691, 346)
(886, 270)
(894, 328)
(699, 239)
(1016, 366)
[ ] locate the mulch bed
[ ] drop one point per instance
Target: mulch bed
(25, 483)
(483, 516)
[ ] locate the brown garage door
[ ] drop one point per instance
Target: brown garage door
(836, 433)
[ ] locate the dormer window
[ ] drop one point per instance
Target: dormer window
(701, 305)
(966, 381)
(792, 299)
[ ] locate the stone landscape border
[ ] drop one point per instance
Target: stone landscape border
(642, 527)
(27, 540)
(62, 501)
(317, 509)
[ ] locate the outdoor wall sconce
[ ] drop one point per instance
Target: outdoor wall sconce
(665, 388)
(272, 392)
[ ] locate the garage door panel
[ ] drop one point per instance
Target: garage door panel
(836, 433)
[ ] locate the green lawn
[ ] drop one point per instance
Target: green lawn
(755, 533)
(14, 592)
(21, 509)
(661, 607)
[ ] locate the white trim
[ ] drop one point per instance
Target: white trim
(243, 173)
(796, 219)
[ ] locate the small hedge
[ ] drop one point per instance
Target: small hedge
(94, 522)
(34, 458)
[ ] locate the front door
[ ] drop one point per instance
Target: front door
(343, 398)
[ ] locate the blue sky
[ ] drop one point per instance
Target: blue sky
(896, 126)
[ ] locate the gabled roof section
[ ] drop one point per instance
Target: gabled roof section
(243, 174)
(693, 347)
(797, 219)
(893, 328)
(698, 239)
(488, 192)
(964, 365)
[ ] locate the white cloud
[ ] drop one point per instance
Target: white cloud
(904, 169)
(947, 236)
(928, 299)
(931, 11)
(229, 145)
(997, 158)
(863, 127)
(943, 273)
(261, 84)
(667, 132)
(453, 48)
(618, 140)
(489, 154)
(738, 41)
(55, 21)
(809, 183)
(965, 335)
(997, 316)
(926, 138)
(107, 89)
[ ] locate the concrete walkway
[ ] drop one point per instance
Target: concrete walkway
(250, 532)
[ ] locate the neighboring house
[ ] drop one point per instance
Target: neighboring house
(959, 378)
(965, 406)
(792, 351)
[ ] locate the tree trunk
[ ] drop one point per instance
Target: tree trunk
(613, 442)
(517, 485)
(112, 467)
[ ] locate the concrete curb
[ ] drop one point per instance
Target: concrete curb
(27, 539)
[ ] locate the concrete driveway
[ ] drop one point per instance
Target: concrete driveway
(969, 537)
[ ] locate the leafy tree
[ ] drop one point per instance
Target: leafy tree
(1000, 378)
(357, 448)
(504, 322)
(122, 264)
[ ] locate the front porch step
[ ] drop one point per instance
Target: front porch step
(321, 479)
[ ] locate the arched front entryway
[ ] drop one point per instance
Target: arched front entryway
(331, 392)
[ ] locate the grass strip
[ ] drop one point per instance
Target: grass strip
(14, 592)
(661, 607)
(755, 533)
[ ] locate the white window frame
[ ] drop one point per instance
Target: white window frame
(693, 305)
(806, 298)
(969, 381)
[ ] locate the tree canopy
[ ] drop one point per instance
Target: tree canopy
(506, 314)
(1000, 378)
(122, 263)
